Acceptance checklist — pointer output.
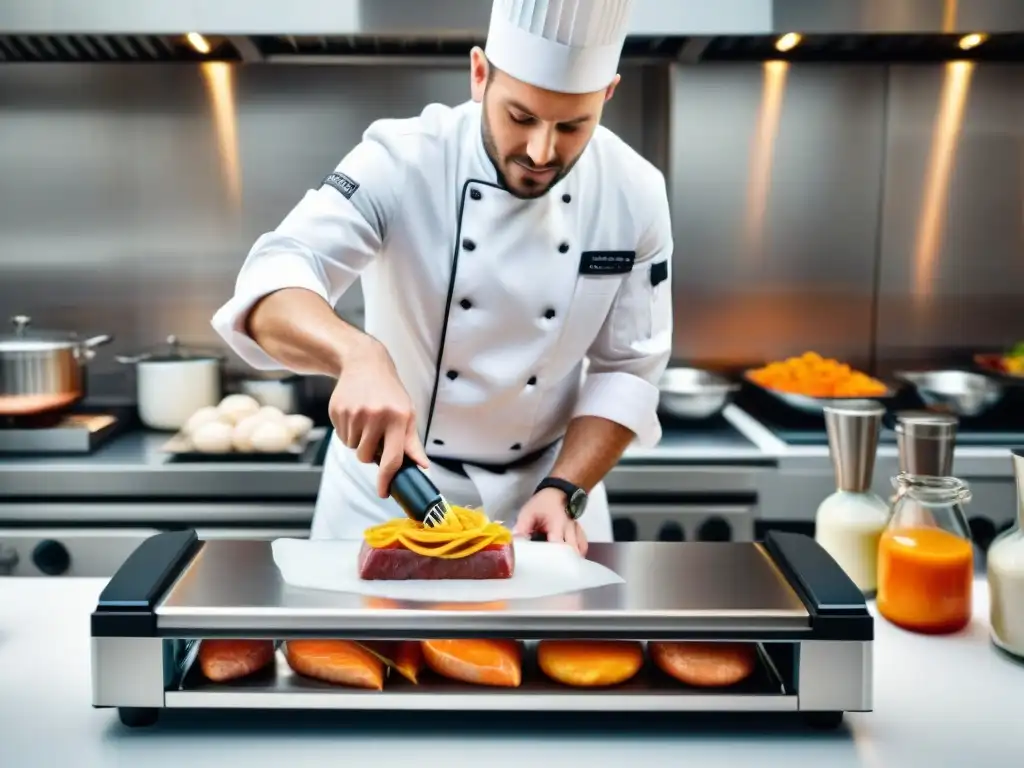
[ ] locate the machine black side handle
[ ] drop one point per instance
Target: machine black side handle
(143, 578)
(819, 580)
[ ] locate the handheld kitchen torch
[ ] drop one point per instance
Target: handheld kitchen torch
(418, 497)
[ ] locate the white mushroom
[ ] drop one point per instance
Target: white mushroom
(271, 412)
(298, 425)
(204, 415)
(271, 436)
(241, 437)
(213, 437)
(234, 408)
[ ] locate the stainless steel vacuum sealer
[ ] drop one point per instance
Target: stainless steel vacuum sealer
(811, 626)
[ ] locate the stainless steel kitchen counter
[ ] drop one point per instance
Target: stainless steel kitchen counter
(133, 466)
(937, 702)
(788, 481)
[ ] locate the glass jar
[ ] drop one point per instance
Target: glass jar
(926, 557)
(1006, 576)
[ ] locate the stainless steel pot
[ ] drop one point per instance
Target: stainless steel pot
(173, 383)
(42, 371)
(284, 393)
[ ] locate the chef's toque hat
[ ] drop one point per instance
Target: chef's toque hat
(570, 46)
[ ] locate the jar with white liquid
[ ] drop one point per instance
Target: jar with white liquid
(1006, 576)
(849, 523)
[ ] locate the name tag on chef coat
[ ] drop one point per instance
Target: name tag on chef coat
(606, 262)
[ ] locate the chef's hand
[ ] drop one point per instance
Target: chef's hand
(545, 513)
(369, 406)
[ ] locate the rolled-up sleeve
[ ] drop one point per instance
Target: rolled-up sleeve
(323, 243)
(634, 345)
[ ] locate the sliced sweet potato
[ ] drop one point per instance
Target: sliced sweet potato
(592, 663)
(479, 662)
(405, 656)
(342, 662)
(223, 660)
(705, 664)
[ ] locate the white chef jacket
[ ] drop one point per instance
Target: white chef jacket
(505, 317)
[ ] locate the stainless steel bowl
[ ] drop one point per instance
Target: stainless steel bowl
(960, 392)
(692, 393)
(817, 405)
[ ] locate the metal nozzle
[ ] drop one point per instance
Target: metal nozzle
(925, 442)
(436, 514)
(853, 430)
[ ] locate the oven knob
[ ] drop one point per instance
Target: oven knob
(51, 557)
(671, 532)
(8, 560)
(623, 529)
(983, 531)
(715, 529)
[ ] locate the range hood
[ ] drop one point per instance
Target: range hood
(301, 30)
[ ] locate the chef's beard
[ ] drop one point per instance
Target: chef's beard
(535, 189)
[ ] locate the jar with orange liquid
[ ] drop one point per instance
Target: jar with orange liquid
(926, 557)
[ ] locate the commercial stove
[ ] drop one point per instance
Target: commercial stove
(811, 627)
(1002, 426)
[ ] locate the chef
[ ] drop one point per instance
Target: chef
(515, 258)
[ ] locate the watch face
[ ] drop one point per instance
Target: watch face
(577, 504)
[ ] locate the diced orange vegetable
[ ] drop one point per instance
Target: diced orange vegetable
(812, 375)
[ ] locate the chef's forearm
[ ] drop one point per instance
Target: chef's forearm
(591, 449)
(300, 330)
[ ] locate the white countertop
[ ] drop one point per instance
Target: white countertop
(939, 701)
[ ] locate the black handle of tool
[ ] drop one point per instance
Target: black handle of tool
(411, 488)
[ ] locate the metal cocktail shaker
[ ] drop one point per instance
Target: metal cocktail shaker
(853, 429)
(925, 442)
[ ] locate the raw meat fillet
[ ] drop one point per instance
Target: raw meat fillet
(398, 563)
(336, 661)
(479, 662)
(590, 663)
(705, 664)
(223, 660)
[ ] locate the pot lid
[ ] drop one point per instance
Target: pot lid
(171, 352)
(26, 339)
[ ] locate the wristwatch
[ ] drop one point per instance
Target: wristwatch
(575, 497)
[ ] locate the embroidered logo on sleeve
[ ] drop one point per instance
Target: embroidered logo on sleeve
(342, 183)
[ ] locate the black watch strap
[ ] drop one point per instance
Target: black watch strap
(575, 497)
(556, 482)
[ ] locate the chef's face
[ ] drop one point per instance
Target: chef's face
(533, 136)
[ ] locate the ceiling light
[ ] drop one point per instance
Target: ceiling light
(198, 42)
(971, 41)
(788, 42)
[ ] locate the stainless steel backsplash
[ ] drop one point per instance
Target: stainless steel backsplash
(873, 213)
